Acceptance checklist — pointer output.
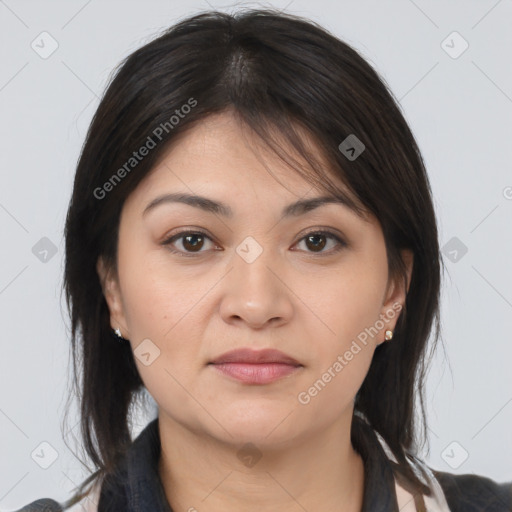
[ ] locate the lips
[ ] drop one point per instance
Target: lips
(250, 356)
(256, 367)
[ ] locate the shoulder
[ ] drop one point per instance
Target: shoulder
(89, 503)
(474, 493)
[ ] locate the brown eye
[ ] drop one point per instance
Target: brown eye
(316, 241)
(191, 241)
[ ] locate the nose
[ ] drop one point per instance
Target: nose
(256, 293)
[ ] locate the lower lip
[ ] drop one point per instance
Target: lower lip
(261, 373)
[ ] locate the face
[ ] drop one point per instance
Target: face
(194, 284)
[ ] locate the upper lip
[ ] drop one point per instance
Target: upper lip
(247, 355)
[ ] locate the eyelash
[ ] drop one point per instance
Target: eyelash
(329, 234)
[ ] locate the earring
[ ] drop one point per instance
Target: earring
(118, 334)
(389, 335)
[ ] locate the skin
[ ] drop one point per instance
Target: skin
(298, 296)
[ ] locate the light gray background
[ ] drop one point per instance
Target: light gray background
(460, 110)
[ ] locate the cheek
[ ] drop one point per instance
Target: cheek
(165, 306)
(347, 301)
(156, 298)
(343, 355)
(348, 306)
(161, 306)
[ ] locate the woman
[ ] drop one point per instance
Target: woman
(251, 239)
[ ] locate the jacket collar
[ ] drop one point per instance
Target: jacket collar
(136, 484)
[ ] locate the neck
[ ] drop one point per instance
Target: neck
(322, 472)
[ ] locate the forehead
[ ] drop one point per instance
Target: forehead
(220, 146)
(221, 156)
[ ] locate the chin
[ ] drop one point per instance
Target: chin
(258, 423)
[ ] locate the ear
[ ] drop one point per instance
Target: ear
(396, 294)
(112, 293)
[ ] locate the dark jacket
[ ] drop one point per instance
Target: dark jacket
(136, 485)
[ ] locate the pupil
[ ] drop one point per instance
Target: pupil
(311, 237)
(187, 239)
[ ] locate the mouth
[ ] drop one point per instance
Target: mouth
(256, 366)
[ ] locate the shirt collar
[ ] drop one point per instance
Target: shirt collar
(136, 484)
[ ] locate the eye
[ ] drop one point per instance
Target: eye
(191, 241)
(316, 241)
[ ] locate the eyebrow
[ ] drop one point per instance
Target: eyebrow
(209, 205)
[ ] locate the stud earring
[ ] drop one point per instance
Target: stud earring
(118, 334)
(389, 335)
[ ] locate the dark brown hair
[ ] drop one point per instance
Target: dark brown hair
(279, 74)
